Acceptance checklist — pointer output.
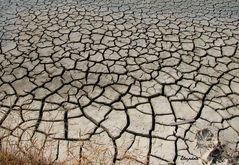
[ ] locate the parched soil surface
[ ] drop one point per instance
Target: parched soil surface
(121, 80)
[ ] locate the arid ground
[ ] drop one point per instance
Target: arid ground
(120, 82)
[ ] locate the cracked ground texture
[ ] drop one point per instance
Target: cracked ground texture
(135, 78)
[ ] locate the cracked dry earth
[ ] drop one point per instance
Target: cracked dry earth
(130, 79)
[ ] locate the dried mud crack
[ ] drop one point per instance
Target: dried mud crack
(135, 79)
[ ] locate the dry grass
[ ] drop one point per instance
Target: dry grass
(15, 154)
(14, 158)
(11, 159)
